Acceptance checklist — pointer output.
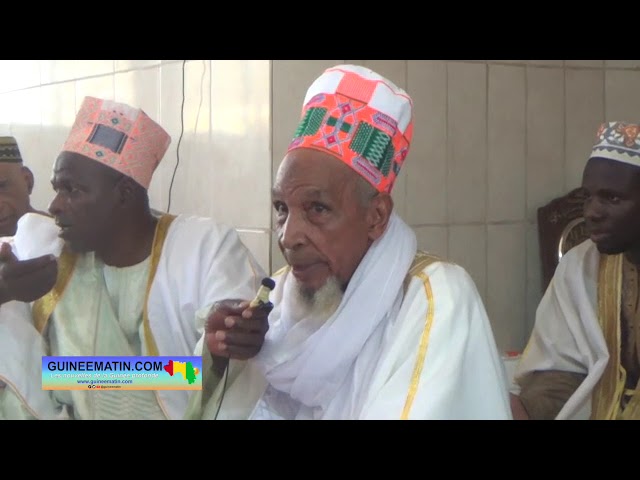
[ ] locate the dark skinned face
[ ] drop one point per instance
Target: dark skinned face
(612, 206)
(16, 184)
(323, 228)
(85, 204)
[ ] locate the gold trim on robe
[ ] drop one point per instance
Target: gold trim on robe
(44, 307)
(156, 250)
(420, 262)
(610, 389)
(607, 393)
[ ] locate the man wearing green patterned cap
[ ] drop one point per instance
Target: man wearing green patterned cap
(16, 185)
(364, 326)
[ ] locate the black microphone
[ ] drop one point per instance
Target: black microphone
(262, 297)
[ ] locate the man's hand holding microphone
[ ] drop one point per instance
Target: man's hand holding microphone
(236, 328)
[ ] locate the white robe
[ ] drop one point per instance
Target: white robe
(567, 335)
(443, 367)
(201, 262)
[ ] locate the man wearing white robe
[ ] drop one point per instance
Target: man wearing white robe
(128, 282)
(583, 358)
(364, 326)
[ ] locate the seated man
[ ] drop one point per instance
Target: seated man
(126, 282)
(364, 326)
(582, 360)
(16, 185)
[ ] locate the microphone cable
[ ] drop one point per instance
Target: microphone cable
(260, 302)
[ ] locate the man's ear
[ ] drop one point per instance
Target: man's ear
(28, 178)
(378, 214)
(126, 190)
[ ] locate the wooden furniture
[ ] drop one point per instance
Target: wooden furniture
(560, 227)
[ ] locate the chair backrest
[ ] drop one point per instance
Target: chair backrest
(560, 228)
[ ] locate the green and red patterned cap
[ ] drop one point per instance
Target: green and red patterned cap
(361, 118)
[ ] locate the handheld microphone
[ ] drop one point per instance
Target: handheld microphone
(262, 297)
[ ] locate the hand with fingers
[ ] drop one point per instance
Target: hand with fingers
(25, 280)
(236, 330)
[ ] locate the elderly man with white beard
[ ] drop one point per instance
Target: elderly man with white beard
(363, 326)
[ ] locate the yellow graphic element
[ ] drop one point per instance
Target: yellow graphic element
(181, 367)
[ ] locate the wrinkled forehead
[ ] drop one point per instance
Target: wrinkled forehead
(314, 172)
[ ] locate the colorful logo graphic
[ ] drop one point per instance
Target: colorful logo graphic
(122, 373)
(187, 370)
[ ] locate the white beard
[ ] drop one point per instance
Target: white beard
(320, 304)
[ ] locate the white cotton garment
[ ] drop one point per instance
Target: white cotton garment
(37, 235)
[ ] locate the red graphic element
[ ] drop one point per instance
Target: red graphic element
(169, 367)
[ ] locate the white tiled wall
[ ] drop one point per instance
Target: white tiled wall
(584, 90)
(544, 136)
(506, 146)
(426, 180)
(466, 142)
(494, 140)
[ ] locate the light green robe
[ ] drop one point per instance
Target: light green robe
(104, 320)
(102, 311)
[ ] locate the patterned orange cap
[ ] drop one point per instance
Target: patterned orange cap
(361, 118)
(119, 136)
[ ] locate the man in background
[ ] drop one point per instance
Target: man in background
(582, 360)
(16, 185)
